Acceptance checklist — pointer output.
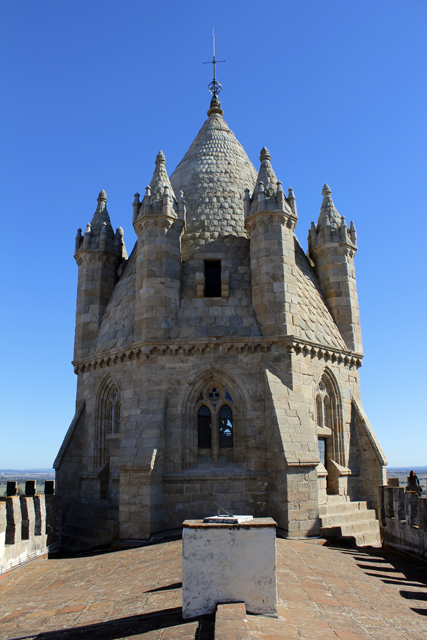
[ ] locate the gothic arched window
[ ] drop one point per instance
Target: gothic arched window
(107, 420)
(215, 422)
(328, 419)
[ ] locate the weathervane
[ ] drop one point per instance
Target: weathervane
(214, 87)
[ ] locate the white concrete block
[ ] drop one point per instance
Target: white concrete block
(229, 563)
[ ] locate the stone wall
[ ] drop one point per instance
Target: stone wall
(29, 527)
(403, 519)
(155, 474)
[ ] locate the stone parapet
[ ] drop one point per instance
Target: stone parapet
(29, 527)
(403, 519)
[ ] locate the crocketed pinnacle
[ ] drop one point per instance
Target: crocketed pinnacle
(266, 174)
(160, 179)
(101, 216)
(329, 216)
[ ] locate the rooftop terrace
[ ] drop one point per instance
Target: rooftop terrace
(324, 592)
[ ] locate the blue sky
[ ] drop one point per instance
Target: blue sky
(91, 90)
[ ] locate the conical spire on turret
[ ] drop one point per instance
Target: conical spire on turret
(268, 194)
(331, 227)
(160, 179)
(159, 196)
(266, 174)
(328, 216)
(99, 234)
(101, 215)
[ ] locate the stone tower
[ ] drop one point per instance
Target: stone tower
(332, 245)
(98, 254)
(218, 363)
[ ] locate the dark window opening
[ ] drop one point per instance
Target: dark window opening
(204, 427)
(322, 450)
(225, 427)
(212, 278)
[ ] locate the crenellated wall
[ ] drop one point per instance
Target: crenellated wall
(29, 528)
(403, 519)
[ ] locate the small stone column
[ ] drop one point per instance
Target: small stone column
(225, 562)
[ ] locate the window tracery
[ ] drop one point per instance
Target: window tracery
(215, 422)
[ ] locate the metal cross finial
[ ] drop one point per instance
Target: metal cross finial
(214, 87)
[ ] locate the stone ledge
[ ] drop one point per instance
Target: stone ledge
(249, 524)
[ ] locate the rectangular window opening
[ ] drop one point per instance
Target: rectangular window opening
(212, 278)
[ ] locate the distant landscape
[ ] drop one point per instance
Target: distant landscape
(41, 475)
(22, 475)
(403, 472)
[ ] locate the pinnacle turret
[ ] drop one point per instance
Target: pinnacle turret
(328, 216)
(266, 174)
(159, 196)
(331, 227)
(99, 234)
(101, 215)
(332, 247)
(160, 179)
(268, 194)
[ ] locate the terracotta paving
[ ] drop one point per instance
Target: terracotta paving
(324, 592)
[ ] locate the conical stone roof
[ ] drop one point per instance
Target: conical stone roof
(101, 216)
(328, 213)
(160, 179)
(213, 175)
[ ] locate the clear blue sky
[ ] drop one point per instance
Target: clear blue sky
(91, 90)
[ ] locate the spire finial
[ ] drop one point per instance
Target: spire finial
(214, 87)
(265, 154)
(160, 158)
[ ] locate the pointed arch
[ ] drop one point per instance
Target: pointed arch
(329, 416)
(108, 416)
(214, 398)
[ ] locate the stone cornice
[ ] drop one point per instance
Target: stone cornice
(285, 217)
(97, 255)
(341, 248)
(218, 346)
(158, 220)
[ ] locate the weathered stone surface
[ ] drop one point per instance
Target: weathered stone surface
(279, 343)
(229, 563)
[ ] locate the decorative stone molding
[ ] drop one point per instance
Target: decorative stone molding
(334, 248)
(287, 218)
(327, 354)
(158, 221)
(217, 346)
(97, 255)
